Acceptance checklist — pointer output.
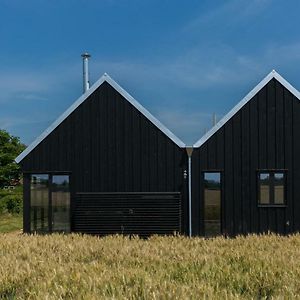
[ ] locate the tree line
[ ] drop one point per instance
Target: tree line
(10, 148)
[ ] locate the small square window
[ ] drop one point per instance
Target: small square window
(271, 188)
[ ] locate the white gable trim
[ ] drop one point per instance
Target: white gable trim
(245, 100)
(82, 98)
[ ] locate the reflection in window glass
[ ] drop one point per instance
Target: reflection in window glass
(278, 188)
(271, 186)
(264, 188)
(60, 203)
(212, 202)
(39, 202)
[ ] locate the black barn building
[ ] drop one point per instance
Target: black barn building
(246, 169)
(108, 166)
(105, 166)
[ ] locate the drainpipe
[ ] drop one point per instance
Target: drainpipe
(189, 151)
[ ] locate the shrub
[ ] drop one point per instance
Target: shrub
(11, 203)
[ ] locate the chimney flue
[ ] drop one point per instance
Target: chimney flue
(85, 60)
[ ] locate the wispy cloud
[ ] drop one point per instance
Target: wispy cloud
(30, 100)
(183, 85)
(33, 84)
(231, 12)
(194, 69)
(31, 96)
(12, 121)
(284, 54)
(188, 125)
(203, 68)
(197, 69)
(179, 91)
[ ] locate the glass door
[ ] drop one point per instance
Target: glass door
(212, 203)
(49, 203)
(39, 203)
(60, 202)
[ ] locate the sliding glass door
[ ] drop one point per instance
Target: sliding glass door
(49, 203)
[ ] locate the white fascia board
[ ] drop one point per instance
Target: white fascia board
(245, 100)
(82, 98)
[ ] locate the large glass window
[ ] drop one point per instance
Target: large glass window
(39, 202)
(60, 203)
(212, 203)
(271, 188)
(49, 203)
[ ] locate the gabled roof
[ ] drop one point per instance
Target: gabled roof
(81, 99)
(244, 101)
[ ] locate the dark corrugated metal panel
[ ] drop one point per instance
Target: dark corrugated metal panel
(143, 214)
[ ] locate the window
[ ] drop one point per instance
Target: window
(272, 188)
(49, 203)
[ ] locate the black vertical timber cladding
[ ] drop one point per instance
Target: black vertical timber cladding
(228, 205)
(254, 162)
(288, 157)
(296, 164)
(263, 134)
(279, 149)
(107, 145)
(245, 150)
(26, 205)
(237, 170)
(271, 144)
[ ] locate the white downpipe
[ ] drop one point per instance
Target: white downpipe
(190, 196)
(189, 151)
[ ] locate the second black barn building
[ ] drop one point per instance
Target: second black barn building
(246, 169)
(105, 166)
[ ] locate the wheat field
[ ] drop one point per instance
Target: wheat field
(114, 267)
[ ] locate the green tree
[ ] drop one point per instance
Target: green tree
(10, 148)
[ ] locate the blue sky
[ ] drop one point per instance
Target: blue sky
(182, 60)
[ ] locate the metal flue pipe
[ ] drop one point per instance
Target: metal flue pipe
(85, 63)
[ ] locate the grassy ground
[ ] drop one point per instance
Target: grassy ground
(11, 209)
(10, 222)
(86, 267)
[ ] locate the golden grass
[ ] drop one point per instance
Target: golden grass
(86, 267)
